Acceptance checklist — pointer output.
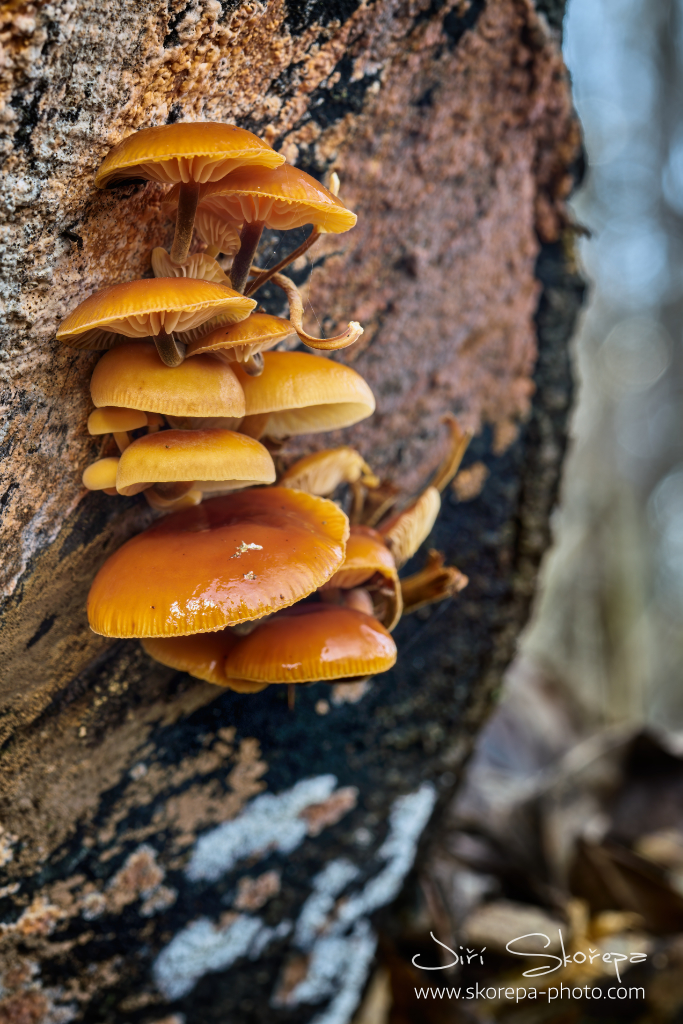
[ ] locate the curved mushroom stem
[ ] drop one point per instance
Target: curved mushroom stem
(250, 237)
(291, 696)
(460, 439)
(296, 314)
(212, 250)
(254, 364)
(266, 275)
(171, 352)
(184, 222)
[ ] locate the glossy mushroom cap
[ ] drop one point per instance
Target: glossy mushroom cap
(141, 309)
(302, 393)
(201, 655)
(322, 472)
(310, 643)
(200, 151)
(133, 376)
(282, 198)
(228, 560)
(218, 460)
(237, 342)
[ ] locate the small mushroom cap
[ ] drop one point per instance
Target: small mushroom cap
(201, 655)
(133, 376)
(284, 197)
(304, 394)
(228, 560)
(405, 532)
(322, 472)
(111, 420)
(366, 554)
(206, 455)
(258, 332)
(101, 475)
(198, 151)
(140, 309)
(312, 642)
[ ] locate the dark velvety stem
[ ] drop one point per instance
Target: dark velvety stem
(266, 275)
(184, 223)
(241, 265)
(171, 352)
(254, 365)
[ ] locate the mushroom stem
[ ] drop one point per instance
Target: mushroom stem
(184, 223)
(176, 489)
(171, 352)
(250, 237)
(212, 250)
(254, 364)
(122, 438)
(291, 696)
(296, 314)
(266, 275)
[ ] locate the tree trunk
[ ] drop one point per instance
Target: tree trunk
(173, 851)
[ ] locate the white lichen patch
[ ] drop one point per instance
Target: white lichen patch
(268, 824)
(336, 933)
(7, 841)
(203, 947)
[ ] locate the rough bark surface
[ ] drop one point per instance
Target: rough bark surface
(145, 875)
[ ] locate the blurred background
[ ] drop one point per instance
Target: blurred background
(570, 815)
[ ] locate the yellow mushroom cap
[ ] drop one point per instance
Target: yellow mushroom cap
(258, 332)
(310, 643)
(228, 560)
(140, 309)
(197, 152)
(112, 420)
(366, 554)
(322, 472)
(304, 393)
(205, 455)
(133, 376)
(101, 475)
(282, 197)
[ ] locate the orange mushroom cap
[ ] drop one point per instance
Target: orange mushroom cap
(282, 197)
(140, 309)
(101, 475)
(228, 560)
(258, 332)
(219, 459)
(311, 643)
(134, 377)
(199, 151)
(201, 655)
(303, 393)
(366, 554)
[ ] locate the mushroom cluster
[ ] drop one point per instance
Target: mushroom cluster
(240, 582)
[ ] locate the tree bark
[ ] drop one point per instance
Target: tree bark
(172, 851)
